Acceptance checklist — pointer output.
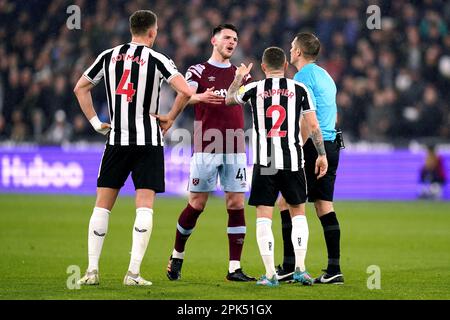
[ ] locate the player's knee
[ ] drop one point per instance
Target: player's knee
(198, 202)
(323, 207)
(235, 202)
(282, 204)
(296, 210)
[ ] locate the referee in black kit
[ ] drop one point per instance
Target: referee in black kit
(304, 51)
(133, 74)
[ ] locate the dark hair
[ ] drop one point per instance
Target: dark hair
(274, 58)
(223, 26)
(309, 44)
(141, 21)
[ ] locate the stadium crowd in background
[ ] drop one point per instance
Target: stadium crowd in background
(392, 82)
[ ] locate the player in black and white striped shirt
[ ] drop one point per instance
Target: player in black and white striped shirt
(133, 73)
(277, 104)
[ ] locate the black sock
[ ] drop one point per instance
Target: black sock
(288, 248)
(332, 235)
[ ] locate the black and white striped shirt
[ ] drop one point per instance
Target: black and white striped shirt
(133, 74)
(277, 104)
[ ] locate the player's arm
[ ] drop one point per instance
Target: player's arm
(82, 91)
(317, 139)
(232, 92)
(304, 129)
(166, 121)
(313, 127)
(307, 79)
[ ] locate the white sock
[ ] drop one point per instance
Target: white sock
(177, 255)
(299, 237)
(98, 227)
(234, 265)
(266, 244)
(142, 230)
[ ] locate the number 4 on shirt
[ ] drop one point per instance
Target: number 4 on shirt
(275, 132)
(129, 91)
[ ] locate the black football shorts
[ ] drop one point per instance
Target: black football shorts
(323, 188)
(265, 188)
(145, 163)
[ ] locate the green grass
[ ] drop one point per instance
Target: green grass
(40, 236)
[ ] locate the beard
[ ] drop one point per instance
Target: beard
(224, 52)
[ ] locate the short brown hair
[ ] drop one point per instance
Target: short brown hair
(274, 58)
(141, 21)
(309, 44)
(224, 26)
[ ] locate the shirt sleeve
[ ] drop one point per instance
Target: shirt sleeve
(245, 92)
(307, 79)
(166, 66)
(193, 76)
(304, 98)
(96, 71)
(247, 79)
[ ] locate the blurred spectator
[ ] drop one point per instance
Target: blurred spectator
(432, 175)
(18, 128)
(60, 131)
(430, 116)
(82, 130)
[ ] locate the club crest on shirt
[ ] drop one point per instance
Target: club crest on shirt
(210, 79)
(195, 181)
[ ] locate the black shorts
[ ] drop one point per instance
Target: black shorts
(322, 189)
(265, 188)
(146, 164)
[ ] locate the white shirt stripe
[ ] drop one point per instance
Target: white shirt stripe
(261, 116)
(112, 87)
(277, 152)
(291, 116)
(124, 133)
(153, 106)
(140, 131)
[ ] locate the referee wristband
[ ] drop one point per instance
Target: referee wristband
(96, 123)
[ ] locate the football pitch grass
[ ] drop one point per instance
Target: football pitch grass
(41, 236)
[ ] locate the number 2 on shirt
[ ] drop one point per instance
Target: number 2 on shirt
(275, 132)
(129, 91)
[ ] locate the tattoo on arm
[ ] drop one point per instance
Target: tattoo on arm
(317, 139)
(233, 89)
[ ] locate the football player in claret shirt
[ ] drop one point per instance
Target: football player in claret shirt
(223, 157)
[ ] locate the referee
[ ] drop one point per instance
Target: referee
(133, 73)
(304, 50)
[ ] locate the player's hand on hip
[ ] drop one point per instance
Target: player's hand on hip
(165, 122)
(321, 166)
(99, 126)
(209, 96)
(243, 70)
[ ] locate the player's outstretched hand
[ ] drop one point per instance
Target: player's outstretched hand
(207, 97)
(165, 122)
(243, 70)
(321, 166)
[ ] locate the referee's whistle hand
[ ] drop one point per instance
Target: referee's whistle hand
(321, 166)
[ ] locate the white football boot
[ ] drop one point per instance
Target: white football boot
(89, 279)
(135, 280)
